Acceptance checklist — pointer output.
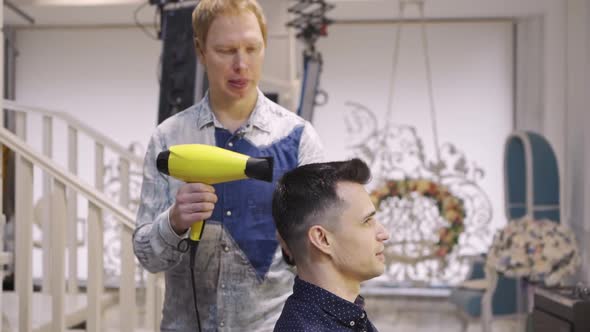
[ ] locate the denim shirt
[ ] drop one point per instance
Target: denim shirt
(242, 281)
(314, 309)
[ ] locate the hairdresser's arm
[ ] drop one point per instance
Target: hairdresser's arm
(155, 243)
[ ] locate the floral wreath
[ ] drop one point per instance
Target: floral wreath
(450, 207)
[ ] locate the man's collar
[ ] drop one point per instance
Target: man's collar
(258, 117)
(204, 114)
(341, 309)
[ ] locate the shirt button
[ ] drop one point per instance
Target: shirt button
(230, 144)
(222, 324)
(228, 213)
(352, 323)
(222, 286)
(225, 248)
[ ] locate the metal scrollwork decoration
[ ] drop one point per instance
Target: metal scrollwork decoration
(435, 211)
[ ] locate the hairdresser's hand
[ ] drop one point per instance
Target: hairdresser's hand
(194, 202)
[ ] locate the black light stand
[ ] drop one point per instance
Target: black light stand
(311, 23)
(182, 79)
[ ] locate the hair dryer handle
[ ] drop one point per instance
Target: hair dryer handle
(197, 230)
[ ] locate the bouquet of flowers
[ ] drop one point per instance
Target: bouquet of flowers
(540, 250)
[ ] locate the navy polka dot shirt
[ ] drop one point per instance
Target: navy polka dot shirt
(314, 309)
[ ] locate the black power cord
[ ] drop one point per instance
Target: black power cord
(193, 253)
(192, 246)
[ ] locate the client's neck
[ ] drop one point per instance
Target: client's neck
(326, 277)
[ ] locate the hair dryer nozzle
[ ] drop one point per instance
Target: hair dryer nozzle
(260, 168)
(162, 162)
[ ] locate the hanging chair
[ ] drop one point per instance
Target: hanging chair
(433, 255)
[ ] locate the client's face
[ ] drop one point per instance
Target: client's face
(358, 237)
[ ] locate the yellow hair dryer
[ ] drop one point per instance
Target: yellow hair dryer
(209, 164)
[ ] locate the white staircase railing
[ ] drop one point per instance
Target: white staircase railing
(59, 228)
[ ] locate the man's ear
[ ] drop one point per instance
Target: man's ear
(320, 238)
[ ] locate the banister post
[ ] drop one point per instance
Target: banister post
(72, 214)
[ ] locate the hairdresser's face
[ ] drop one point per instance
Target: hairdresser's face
(358, 237)
(233, 56)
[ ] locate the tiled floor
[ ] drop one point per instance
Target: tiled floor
(407, 314)
(401, 314)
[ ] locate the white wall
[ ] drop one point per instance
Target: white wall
(577, 155)
(105, 77)
(111, 74)
(554, 44)
(472, 73)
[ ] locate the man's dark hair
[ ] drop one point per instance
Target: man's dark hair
(304, 196)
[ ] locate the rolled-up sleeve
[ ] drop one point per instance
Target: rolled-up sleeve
(154, 241)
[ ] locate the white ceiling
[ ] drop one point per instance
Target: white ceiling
(117, 12)
(79, 12)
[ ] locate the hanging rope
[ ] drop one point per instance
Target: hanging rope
(394, 62)
(429, 82)
(427, 64)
